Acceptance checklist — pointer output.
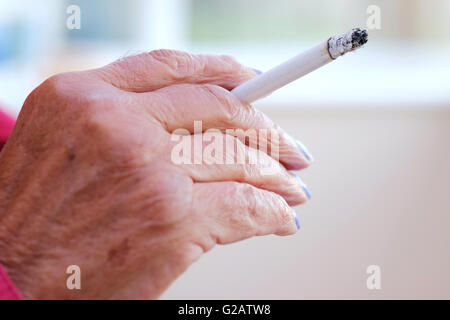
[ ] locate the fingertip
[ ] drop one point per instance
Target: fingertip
(290, 228)
(292, 158)
(304, 150)
(303, 186)
(297, 221)
(293, 154)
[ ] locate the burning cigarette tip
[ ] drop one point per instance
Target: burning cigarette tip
(359, 37)
(352, 40)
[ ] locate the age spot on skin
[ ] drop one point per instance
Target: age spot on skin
(119, 253)
(71, 155)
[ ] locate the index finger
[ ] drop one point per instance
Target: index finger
(157, 69)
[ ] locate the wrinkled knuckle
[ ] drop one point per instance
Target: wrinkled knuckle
(55, 83)
(52, 89)
(251, 200)
(229, 59)
(237, 207)
(52, 97)
(284, 215)
(233, 193)
(229, 109)
(114, 73)
(179, 63)
(162, 54)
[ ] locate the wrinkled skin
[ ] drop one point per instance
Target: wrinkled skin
(87, 179)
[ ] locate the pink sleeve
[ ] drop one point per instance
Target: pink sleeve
(6, 126)
(8, 290)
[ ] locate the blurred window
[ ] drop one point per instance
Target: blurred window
(412, 44)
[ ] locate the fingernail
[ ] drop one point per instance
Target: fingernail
(257, 71)
(297, 222)
(305, 151)
(303, 185)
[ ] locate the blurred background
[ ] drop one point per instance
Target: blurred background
(377, 122)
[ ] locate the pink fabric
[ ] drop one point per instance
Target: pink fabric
(6, 126)
(8, 290)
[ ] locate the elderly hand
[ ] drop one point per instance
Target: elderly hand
(87, 177)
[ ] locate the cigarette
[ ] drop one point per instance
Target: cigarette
(303, 63)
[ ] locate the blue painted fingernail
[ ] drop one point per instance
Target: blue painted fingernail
(257, 71)
(303, 185)
(305, 151)
(297, 222)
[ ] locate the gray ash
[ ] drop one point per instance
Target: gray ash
(352, 40)
(359, 37)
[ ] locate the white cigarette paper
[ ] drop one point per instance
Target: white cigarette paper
(296, 67)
